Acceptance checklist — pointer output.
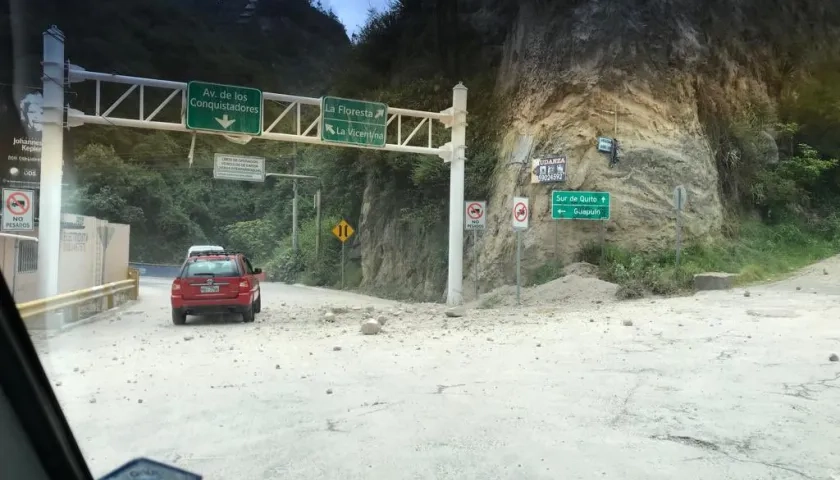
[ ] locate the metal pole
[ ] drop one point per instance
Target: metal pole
(475, 260)
(52, 159)
(518, 266)
(15, 269)
(615, 120)
(102, 274)
(454, 293)
(679, 239)
(342, 265)
(318, 223)
(295, 203)
(603, 240)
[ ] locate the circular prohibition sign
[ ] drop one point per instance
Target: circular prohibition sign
(520, 212)
(18, 203)
(474, 211)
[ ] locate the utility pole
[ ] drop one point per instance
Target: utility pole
(295, 178)
(318, 221)
(454, 293)
(295, 202)
(52, 162)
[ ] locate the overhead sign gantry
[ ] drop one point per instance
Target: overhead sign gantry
(240, 113)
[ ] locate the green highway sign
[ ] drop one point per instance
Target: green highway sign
(353, 122)
(570, 205)
(224, 108)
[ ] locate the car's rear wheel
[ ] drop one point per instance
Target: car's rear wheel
(258, 304)
(248, 315)
(178, 317)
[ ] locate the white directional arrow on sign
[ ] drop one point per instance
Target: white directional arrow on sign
(379, 113)
(225, 122)
(329, 128)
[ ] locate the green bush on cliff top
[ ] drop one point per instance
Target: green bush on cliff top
(760, 252)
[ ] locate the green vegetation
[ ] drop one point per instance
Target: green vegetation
(410, 56)
(760, 252)
(782, 196)
(799, 225)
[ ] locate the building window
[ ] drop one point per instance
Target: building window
(27, 257)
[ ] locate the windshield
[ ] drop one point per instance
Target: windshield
(211, 268)
(469, 238)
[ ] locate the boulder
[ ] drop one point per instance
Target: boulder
(714, 281)
(371, 327)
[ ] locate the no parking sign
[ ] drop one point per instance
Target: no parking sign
(475, 215)
(18, 210)
(521, 212)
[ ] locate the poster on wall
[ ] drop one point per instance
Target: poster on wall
(21, 112)
(548, 169)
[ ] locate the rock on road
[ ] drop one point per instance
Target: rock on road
(719, 385)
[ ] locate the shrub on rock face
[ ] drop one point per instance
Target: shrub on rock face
(630, 292)
(286, 267)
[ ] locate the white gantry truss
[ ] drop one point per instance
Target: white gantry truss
(288, 118)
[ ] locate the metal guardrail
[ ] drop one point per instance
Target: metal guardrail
(73, 300)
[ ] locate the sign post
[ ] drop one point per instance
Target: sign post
(521, 213)
(106, 233)
(572, 205)
(224, 108)
(353, 122)
(18, 210)
(680, 197)
(343, 231)
(475, 220)
(52, 161)
(238, 167)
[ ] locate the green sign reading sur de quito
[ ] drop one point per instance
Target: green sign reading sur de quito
(569, 205)
(224, 108)
(353, 122)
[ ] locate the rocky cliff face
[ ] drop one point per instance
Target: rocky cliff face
(659, 75)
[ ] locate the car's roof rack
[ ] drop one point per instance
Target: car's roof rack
(214, 253)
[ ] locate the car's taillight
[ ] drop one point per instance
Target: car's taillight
(176, 286)
(244, 284)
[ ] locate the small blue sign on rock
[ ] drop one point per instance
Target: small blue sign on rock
(145, 469)
(605, 144)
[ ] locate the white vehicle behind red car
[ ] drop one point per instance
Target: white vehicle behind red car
(204, 248)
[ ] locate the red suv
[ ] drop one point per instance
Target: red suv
(216, 282)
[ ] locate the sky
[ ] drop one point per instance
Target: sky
(353, 13)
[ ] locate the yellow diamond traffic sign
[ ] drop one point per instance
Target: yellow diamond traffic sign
(343, 231)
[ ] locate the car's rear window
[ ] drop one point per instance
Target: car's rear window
(212, 267)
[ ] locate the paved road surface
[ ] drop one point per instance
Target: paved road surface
(714, 386)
